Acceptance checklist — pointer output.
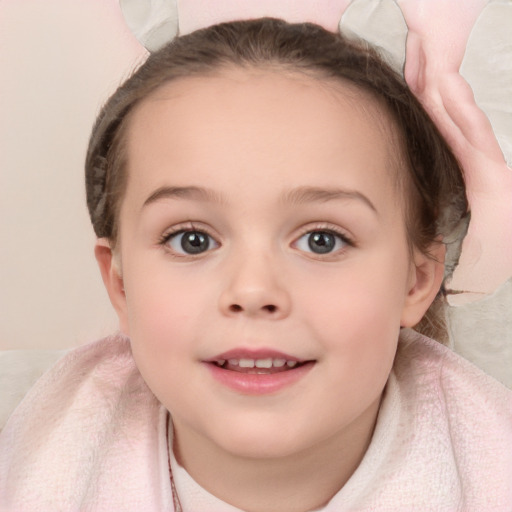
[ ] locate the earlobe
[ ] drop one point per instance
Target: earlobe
(112, 279)
(426, 278)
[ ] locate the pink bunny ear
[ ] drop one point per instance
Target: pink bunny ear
(436, 45)
(195, 14)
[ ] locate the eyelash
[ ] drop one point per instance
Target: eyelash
(191, 227)
(330, 229)
(184, 228)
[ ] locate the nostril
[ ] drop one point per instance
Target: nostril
(236, 308)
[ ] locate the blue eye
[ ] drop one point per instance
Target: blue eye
(321, 242)
(191, 242)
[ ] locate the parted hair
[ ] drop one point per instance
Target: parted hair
(430, 177)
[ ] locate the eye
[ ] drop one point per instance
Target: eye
(321, 242)
(190, 242)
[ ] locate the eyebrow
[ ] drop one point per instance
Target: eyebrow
(296, 196)
(301, 195)
(191, 192)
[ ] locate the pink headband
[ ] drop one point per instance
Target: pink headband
(439, 41)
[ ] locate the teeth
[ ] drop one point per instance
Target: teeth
(258, 363)
(263, 363)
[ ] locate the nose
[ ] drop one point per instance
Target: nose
(253, 288)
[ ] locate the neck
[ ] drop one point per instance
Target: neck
(296, 483)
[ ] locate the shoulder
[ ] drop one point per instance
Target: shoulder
(106, 366)
(90, 417)
(443, 438)
(19, 371)
(427, 367)
(80, 387)
(459, 415)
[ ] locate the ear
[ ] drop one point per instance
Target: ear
(110, 269)
(427, 273)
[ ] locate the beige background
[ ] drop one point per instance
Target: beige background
(59, 60)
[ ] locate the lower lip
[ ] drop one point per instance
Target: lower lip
(258, 383)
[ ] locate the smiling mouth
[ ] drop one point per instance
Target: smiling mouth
(267, 366)
(258, 372)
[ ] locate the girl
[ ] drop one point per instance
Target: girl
(272, 206)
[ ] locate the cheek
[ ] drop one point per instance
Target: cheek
(358, 298)
(356, 315)
(360, 332)
(161, 329)
(164, 314)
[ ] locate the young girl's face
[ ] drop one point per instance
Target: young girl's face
(262, 226)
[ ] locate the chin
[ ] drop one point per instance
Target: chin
(261, 440)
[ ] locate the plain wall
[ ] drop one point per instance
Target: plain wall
(59, 61)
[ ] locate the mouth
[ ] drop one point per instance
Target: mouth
(258, 372)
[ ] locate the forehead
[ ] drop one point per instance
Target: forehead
(283, 125)
(260, 85)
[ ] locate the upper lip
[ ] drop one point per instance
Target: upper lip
(248, 353)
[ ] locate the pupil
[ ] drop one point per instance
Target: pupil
(194, 242)
(321, 242)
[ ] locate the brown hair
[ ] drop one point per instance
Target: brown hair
(435, 201)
